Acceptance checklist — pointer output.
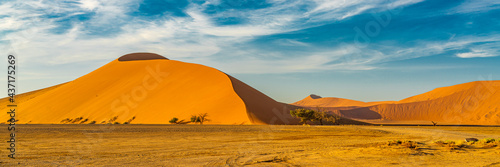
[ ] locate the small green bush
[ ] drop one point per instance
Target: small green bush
(174, 120)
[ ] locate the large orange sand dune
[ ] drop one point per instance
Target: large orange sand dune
(150, 89)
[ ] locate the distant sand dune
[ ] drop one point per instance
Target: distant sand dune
(473, 103)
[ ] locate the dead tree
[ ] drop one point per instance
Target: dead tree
(434, 123)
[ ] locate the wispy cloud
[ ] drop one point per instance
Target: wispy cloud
(475, 53)
(176, 37)
(476, 6)
(112, 30)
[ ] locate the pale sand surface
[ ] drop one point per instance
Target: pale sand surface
(254, 145)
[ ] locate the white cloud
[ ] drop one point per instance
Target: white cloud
(89, 4)
(476, 53)
(342, 9)
(476, 6)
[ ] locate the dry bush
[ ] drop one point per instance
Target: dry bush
(77, 119)
(67, 120)
(487, 143)
(450, 145)
(84, 121)
(405, 143)
(112, 119)
(130, 120)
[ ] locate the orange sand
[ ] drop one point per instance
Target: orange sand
(473, 103)
(153, 90)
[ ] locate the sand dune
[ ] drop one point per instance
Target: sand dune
(150, 89)
(473, 103)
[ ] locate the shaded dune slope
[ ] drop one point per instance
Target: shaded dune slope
(261, 108)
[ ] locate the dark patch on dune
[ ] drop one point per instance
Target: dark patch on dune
(313, 96)
(140, 56)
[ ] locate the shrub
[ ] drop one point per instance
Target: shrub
(304, 115)
(406, 143)
(130, 120)
(67, 120)
(488, 143)
(203, 117)
(93, 122)
(77, 119)
(195, 119)
(434, 123)
(450, 145)
(113, 119)
(84, 121)
(174, 120)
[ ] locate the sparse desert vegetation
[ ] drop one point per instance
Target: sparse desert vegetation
(200, 118)
(81, 120)
(318, 115)
(176, 120)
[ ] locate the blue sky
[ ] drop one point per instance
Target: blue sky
(363, 50)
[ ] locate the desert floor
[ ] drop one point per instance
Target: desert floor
(236, 145)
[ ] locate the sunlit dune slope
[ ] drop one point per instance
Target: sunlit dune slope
(149, 89)
(449, 90)
(473, 103)
(476, 103)
(21, 98)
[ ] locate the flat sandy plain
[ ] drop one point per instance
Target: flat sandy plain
(239, 145)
